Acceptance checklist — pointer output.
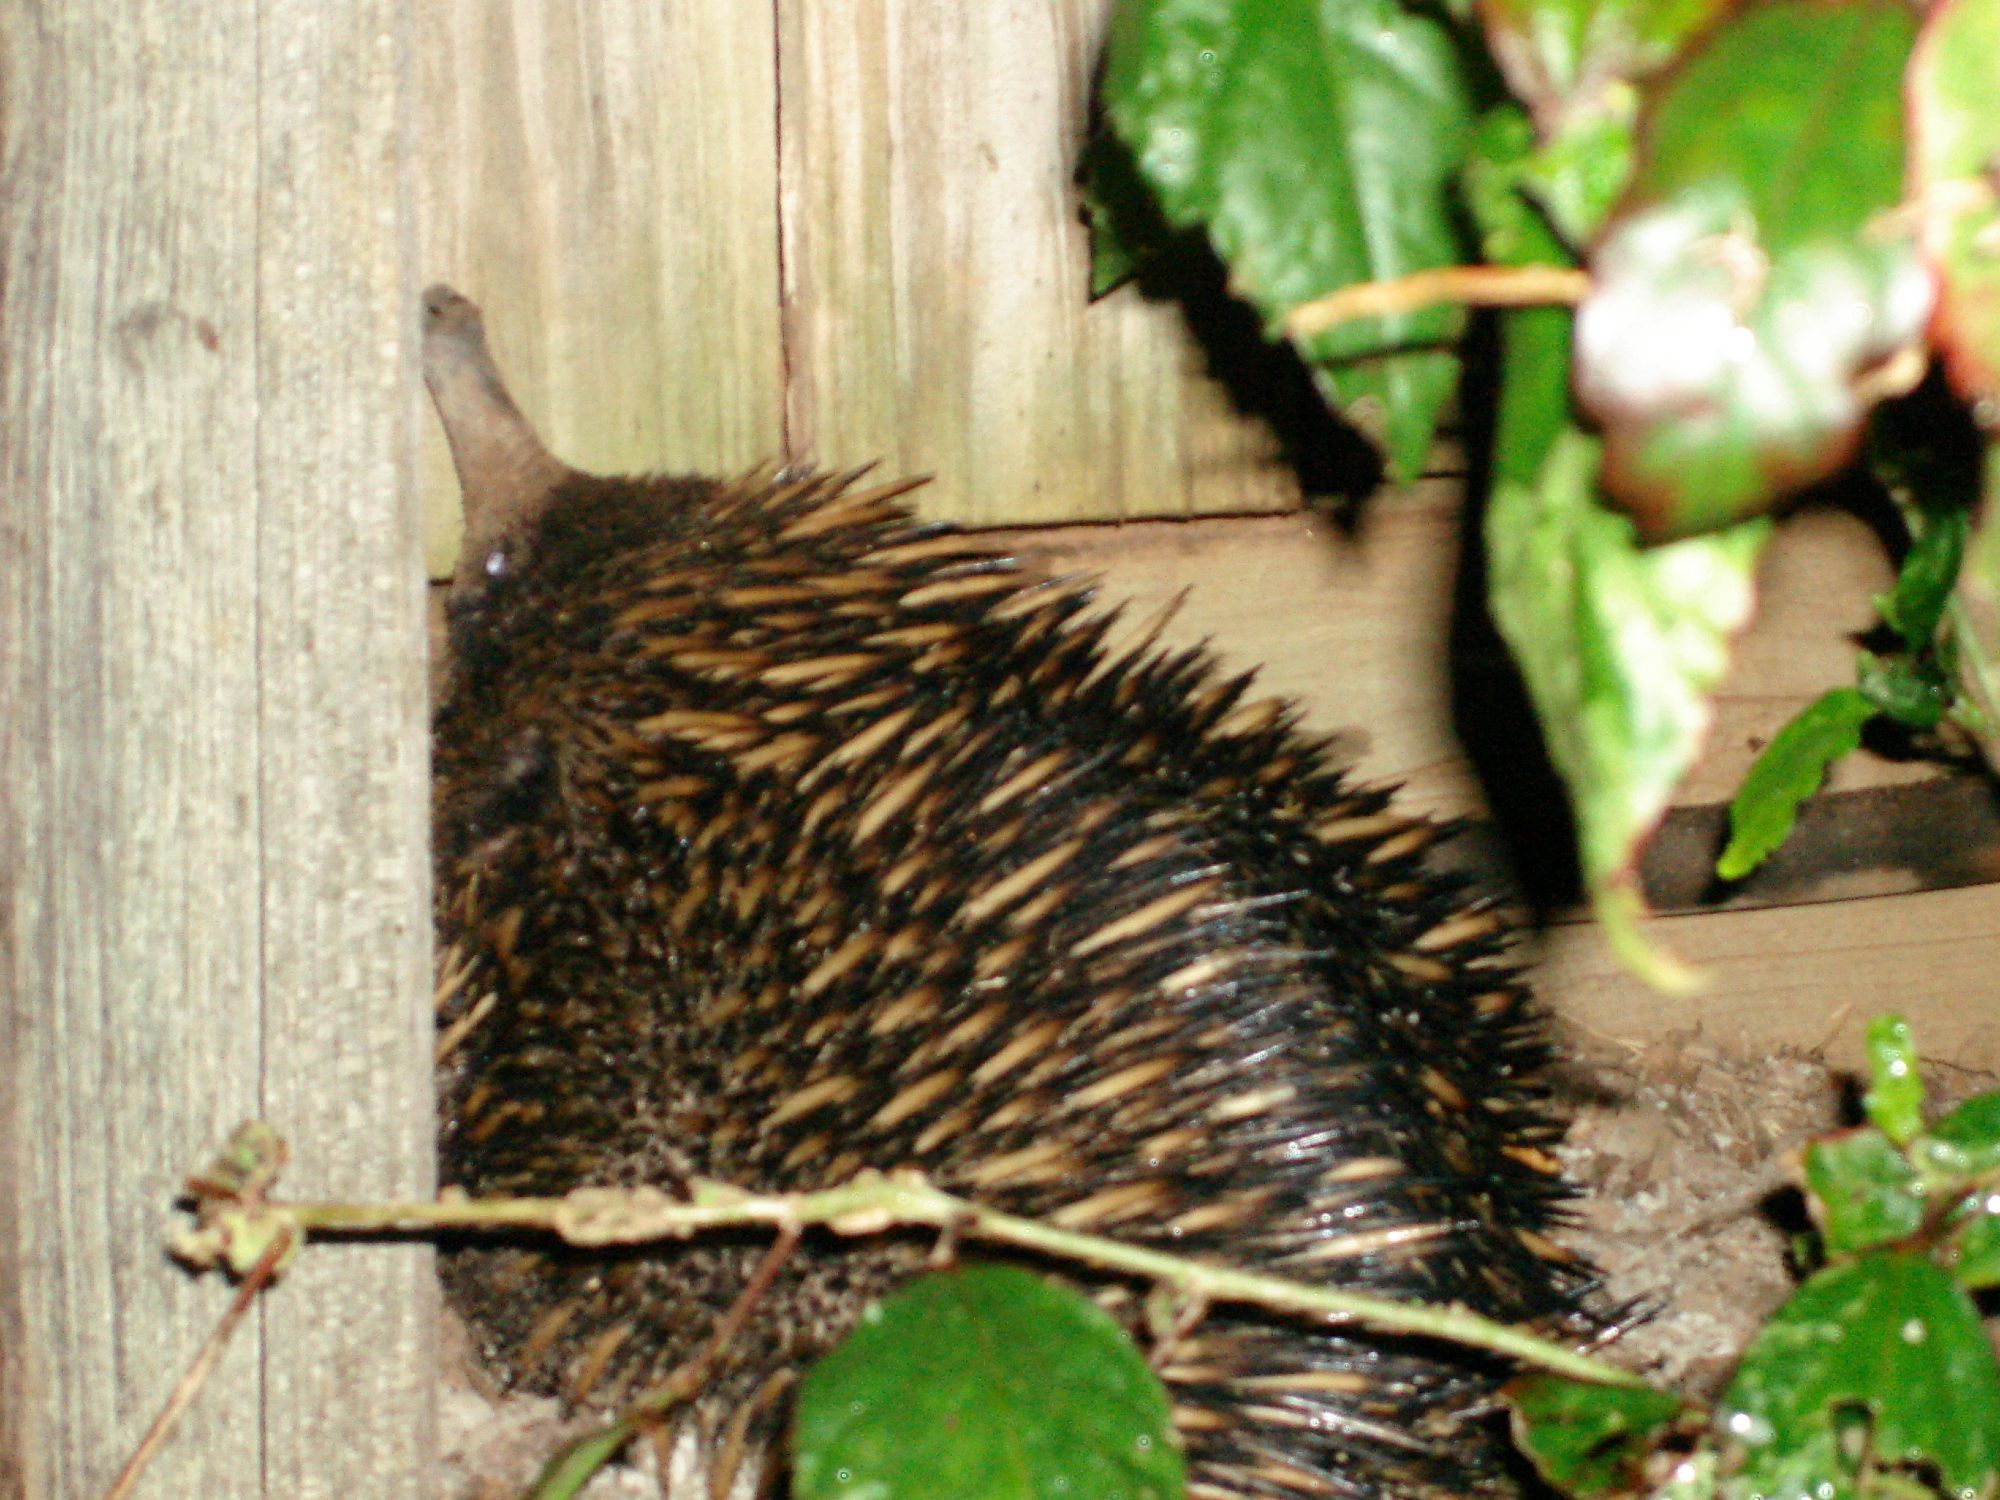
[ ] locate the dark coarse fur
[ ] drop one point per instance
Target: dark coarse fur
(795, 835)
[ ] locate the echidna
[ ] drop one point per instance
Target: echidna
(792, 834)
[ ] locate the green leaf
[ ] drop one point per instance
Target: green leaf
(1585, 1439)
(1924, 582)
(1975, 615)
(1883, 1354)
(1895, 1098)
(1561, 56)
(1909, 690)
(1961, 1154)
(1317, 144)
(986, 1383)
(1864, 1191)
(1973, 1253)
(1789, 771)
(1534, 341)
(1581, 171)
(1620, 646)
(1966, 1142)
(1955, 134)
(1750, 285)
(1533, 418)
(564, 1476)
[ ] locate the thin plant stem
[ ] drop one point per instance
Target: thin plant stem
(571, 1469)
(872, 1202)
(189, 1386)
(1463, 286)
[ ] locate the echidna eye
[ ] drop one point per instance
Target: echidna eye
(497, 562)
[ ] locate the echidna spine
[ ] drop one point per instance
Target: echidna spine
(790, 834)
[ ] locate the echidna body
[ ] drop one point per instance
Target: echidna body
(793, 835)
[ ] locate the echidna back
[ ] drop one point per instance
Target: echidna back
(793, 836)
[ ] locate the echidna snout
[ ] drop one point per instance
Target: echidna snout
(790, 834)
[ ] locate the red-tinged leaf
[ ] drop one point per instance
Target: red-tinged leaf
(1316, 144)
(1955, 167)
(1751, 287)
(1559, 56)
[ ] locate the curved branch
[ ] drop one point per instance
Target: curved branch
(870, 1203)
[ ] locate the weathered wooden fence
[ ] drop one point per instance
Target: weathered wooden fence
(212, 749)
(705, 231)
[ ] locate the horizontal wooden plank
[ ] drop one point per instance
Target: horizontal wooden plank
(1366, 629)
(1800, 976)
(1933, 834)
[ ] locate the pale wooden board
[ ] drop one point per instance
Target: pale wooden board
(936, 277)
(1355, 626)
(609, 183)
(128, 835)
(211, 804)
(1802, 976)
(602, 179)
(1352, 628)
(344, 763)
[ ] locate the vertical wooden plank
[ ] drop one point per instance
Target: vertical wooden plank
(211, 754)
(344, 770)
(603, 180)
(936, 276)
(129, 736)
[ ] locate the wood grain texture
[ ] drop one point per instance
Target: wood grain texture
(936, 277)
(602, 179)
(211, 759)
(344, 764)
(1804, 977)
(1359, 627)
(1355, 628)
